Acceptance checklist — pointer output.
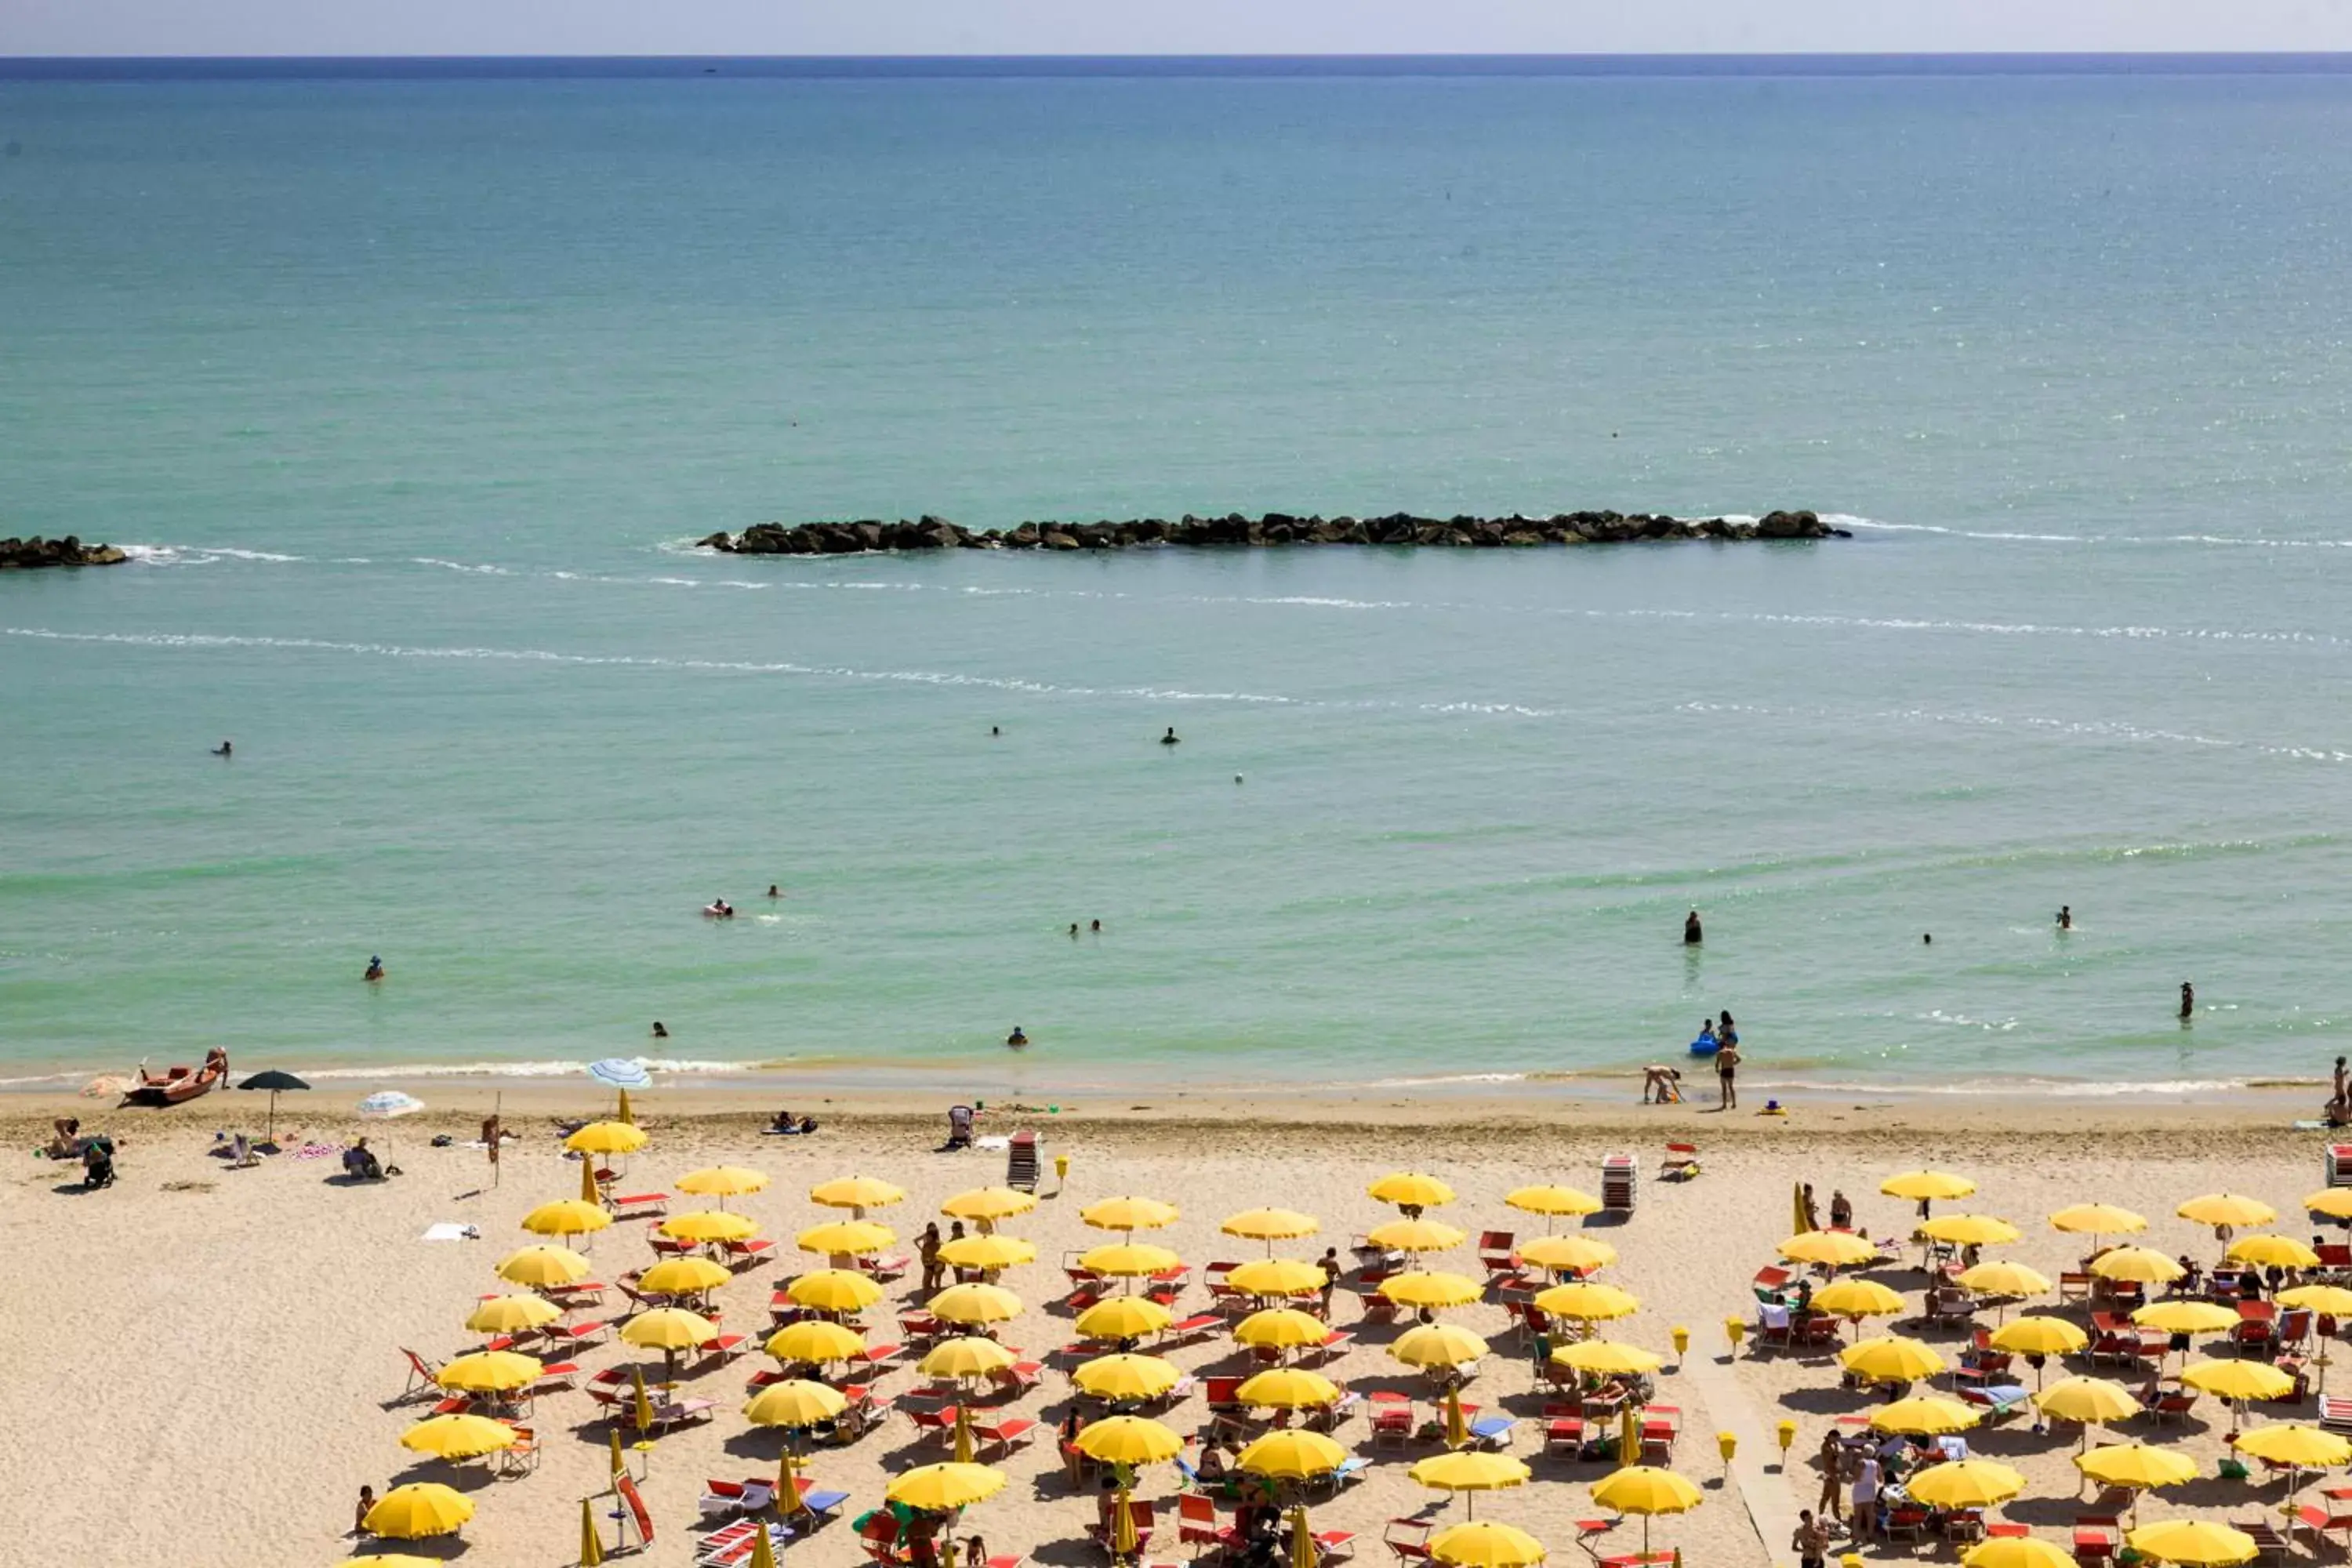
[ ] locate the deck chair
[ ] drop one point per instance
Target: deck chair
(423, 1373)
(1021, 1162)
(1197, 1525)
(1681, 1163)
(1407, 1539)
(1494, 1254)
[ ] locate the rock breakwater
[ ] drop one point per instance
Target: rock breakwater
(25, 554)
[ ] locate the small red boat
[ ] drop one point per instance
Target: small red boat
(180, 1083)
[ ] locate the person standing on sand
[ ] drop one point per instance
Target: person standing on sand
(1831, 1459)
(929, 1246)
(2187, 1000)
(1810, 1542)
(1726, 1064)
(1691, 934)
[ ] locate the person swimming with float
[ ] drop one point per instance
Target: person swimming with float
(719, 910)
(1706, 1044)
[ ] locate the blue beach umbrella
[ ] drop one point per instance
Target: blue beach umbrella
(386, 1104)
(621, 1073)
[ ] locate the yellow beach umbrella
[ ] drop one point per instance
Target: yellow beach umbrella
(1431, 1287)
(1128, 1259)
(2268, 1251)
(2201, 1543)
(1437, 1344)
(1830, 1248)
(1415, 1236)
(2015, 1551)
(606, 1138)
(1970, 1230)
(458, 1436)
(989, 1252)
(1607, 1358)
(857, 1192)
(1646, 1489)
(1552, 1202)
(813, 1340)
(795, 1404)
(418, 1509)
(1857, 1298)
(1126, 1377)
(1276, 1277)
(938, 1488)
(2143, 1264)
(1588, 1302)
(1129, 1213)
(1292, 1454)
(1892, 1359)
(682, 1276)
(1288, 1388)
(844, 1238)
(966, 1355)
(2097, 1220)
(1478, 1543)
(489, 1371)
(706, 1226)
(543, 1268)
(1410, 1189)
(2332, 1300)
(1469, 1471)
(1281, 1328)
(566, 1217)
(722, 1182)
(1923, 1416)
(832, 1290)
(2089, 1400)
(989, 1205)
(2296, 1444)
(2227, 1208)
(2335, 1203)
(2186, 1317)
(410, 1560)
(1964, 1483)
(2040, 1336)
(1923, 1186)
(2238, 1381)
(970, 1304)
(671, 1329)
(1127, 1440)
(512, 1314)
(1132, 1317)
(1270, 1225)
(2004, 1279)
(1566, 1253)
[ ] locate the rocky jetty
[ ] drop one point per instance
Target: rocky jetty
(1273, 529)
(23, 554)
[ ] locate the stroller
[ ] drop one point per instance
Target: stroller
(97, 1163)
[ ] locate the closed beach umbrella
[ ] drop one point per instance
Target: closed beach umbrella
(566, 1217)
(2199, 1542)
(2096, 1220)
(1925, 1186)
(965, 1356)
(2335, 1203)
(857, 1193)
(1129, 1213)
(1415, 1236)
(458, 1437)
(1126, 1378)
(1970, 1230)
(794, 1403)
(1964, 1483)
(970, 1304)
(1437, 1344)
(2015, 1551)
(1894, 1358)
(844, 1238)
(512, 1314)
(1408, 1189)
(276, 1083)
(1280, 1327)
(1432, 1288)
(1128, 1259)
(1484, 1544)
(1588, 1302)
(1830, 1248)
(606, 1138)
(986, 1205)
(1552, 1202)
(1270, 1225)
(489, 1371)
(1923, 1416)
(722, 1182)
(1567, 1254)
(1607, 1358)
(2091, 1401)
(1292, 1454)
(543, 1268)
(416, 1510)
(832, 1290)
(2142, 1264)
(1646, 1489)
(1276, 1277)
(2238, 1381)
(2227, 1208)
(2272, 1251)
(1470, 1472)
(704, 1227)
(815, 1342)
(1132, 1317)
(2040, 1336)
(1856, 1300)
(937, 1488)
(1130, 1440)
(682, 1276)
(1288, 1388)
(990, 1253)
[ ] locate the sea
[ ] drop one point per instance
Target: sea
(410, 386)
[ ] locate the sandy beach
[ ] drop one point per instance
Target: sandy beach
(226, 1344)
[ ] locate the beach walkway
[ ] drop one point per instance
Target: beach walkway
(1763, 1486)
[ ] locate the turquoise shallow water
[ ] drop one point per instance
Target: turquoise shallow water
(415, 391)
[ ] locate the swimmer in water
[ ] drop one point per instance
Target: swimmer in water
(1016, 1039)
(374, 969)
(225, 749)
(1097, 928)
(2066, 916)
(1074, 931)
(1169, 738)
(1927, 939)
(2187, 1000)
(1692, 933)
(994, 730)
(660, 1033)
(774, 892)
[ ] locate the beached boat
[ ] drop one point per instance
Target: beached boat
(179, 1083)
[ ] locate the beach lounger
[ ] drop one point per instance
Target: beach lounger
(1393, 1423)
(519, 1458)
(639, 1206)
(1496, 1255)
(879, 1537)
(742, 1254)
(576, 1336)
(1352, 1470)
(2098, 1537)
(1619, 1182)
(2319, 1522)
(1015, 1433)
(1198, 1527)
(1994, 1402)
(1494, 1432)
(1563, 1429)
(1407, 1539)
(1021, 1162)
(2270, 1546)
(1139, 1514)
(738, 1552)
(553, 1377)
(726, 1499)
(1681, 1163)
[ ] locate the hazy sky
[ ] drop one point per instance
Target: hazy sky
(1186, 27)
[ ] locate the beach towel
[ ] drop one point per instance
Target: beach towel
(447, 1231)
(315, 1152)
(995, 1143)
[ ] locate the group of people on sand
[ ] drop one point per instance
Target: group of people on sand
(1717, 1041)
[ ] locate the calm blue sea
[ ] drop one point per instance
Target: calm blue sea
(413, 387)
